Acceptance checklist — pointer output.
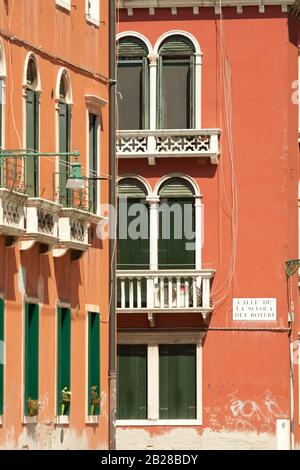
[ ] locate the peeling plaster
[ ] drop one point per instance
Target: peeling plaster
(47, 436)
(190, 439)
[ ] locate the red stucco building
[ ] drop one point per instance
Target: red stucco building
(208, 326)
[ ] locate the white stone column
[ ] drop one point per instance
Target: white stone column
(199, 230)
(198, 90)
(153, 233)
(153, 383)
(153, 86)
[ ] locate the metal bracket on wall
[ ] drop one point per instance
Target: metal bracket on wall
(291, 266)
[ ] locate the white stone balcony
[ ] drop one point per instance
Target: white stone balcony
(169, 143)
(41, 222)
(164, 291)
(12, 215)
(73, 227)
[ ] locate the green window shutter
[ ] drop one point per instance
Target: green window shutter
(131, 48)
(1, 355)
(133, 84)
(176, 82)
(94, 361)
(63, 355)
(132, 382)
(32, 139)
(64, 147)
(177, 381)
(174, 250)
(93, 164)
(177, 46)
(31, 354)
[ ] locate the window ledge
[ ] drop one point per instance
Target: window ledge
(93, 21)
(92, 419)
(63, 4)
(159, 422)
(63, 419)
(30, 420)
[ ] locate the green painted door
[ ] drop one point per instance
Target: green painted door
(132, 382)
(94, 361)
(177, 381)
(63, 356)
(31, 354)
(32, 142)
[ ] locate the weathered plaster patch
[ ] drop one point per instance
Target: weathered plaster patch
(190, 439)
(40, 288)
(22, 280)
(48, 436)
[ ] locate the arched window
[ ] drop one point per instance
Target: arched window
(133, 84)
(176, 239)
(64, 126)
(176, 84)
(32, 129)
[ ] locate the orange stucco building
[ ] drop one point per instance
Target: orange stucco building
(53, 266)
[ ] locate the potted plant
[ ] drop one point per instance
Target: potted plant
(65, 400)
(95, 399)
(33, 407)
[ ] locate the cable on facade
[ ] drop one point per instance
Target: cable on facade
(38, 50)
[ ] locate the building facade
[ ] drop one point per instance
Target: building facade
(208, 309)
(54, 268)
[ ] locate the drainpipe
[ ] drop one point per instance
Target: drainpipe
(112, 227)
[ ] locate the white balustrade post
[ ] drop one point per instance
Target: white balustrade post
(206, 292)
(199, 230)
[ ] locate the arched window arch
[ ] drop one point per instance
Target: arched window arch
(133, 83)
(176, 83)
(176, 237)
(64, 97)
(32, 97)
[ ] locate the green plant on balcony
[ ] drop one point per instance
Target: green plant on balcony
(95, 399)
(33, 407)
(65, 400)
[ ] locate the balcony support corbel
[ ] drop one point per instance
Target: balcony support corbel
(59, 252)
(151, 318)
(26, 245)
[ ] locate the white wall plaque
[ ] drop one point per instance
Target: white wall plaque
(251, 309)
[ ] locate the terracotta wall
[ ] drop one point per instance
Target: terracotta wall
(73, 41)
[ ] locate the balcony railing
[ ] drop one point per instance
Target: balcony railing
(164, 291)
(169, 143)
